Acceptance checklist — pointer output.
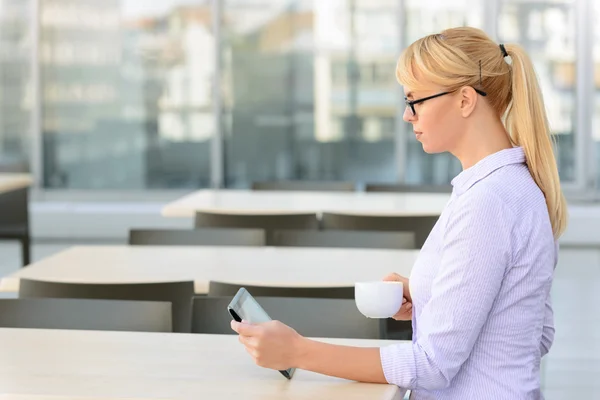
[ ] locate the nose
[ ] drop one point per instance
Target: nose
(408, 115)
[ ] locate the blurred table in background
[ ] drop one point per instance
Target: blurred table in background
(248, 201)
(11, 182)
(269, 266)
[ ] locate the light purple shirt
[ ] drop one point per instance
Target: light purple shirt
(482, 317)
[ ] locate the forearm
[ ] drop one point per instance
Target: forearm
(361, 364)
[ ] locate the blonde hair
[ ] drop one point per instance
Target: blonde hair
(468, 57)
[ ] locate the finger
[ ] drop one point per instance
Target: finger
(248, 341)
(403, 300)
(405, 313)
(245, 329)
(392, 277)
(273, 322)
(252, 353)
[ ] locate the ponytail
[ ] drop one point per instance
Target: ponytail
(527, 124)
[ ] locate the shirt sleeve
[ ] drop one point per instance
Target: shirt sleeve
(475, 253)
(548, 331)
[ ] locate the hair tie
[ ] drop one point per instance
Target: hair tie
(503, 49)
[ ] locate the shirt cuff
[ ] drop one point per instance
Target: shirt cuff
(398, 364)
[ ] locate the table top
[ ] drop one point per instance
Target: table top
(275, 266)
(10, 182)
(274, 202)
(48, 397)
(135, 365)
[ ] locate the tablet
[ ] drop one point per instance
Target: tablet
(245, 307)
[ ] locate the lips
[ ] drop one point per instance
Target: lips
(418, 134)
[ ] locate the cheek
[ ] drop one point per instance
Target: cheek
(441, 131)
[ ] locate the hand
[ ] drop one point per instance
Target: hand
(271, 344)
(405, 311)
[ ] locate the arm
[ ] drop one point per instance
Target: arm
(476, 251)
(548, 332)
(364, 364)
(354, 363)
(277, 346)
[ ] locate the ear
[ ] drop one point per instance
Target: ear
(468, 101)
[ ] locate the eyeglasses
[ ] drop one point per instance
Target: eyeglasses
(411, 103)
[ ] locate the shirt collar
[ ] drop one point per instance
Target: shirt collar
(467, 178)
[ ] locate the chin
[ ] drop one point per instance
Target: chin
(431, 149)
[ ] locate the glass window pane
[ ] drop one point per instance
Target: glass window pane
(309, 89)
(546, 29)
(126, 93)
(15, 80)
(425, 18)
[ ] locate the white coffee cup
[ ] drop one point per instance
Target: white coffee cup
(378, 299)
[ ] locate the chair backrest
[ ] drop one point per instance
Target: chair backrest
(268, 222)
(309, 186)
(14, 167)
(334, 318)
(197, 237)
(216, 289)
(98, 315)
(407, 188)
(360, 239)
(179, 294)
(17, 202)
(420, 225)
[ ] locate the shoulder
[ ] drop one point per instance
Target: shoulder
(480, 226)
(482, 202)
(506, 208)
(511, 190)
(481, 219)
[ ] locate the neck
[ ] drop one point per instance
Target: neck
(481, 142)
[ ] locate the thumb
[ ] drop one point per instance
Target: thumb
(244, 328)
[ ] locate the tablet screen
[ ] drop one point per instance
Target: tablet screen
(249, 310)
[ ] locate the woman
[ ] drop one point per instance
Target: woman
(480, 288)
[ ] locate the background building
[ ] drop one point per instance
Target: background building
(128, 95)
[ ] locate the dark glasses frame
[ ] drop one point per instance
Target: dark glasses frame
(411, 103)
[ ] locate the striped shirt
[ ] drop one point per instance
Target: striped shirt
(482, 317)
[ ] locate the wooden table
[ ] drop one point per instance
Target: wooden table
(46, 397)
(277, 266)
(10, 182)
(133, 365)
(247, 201)
(14, 210)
